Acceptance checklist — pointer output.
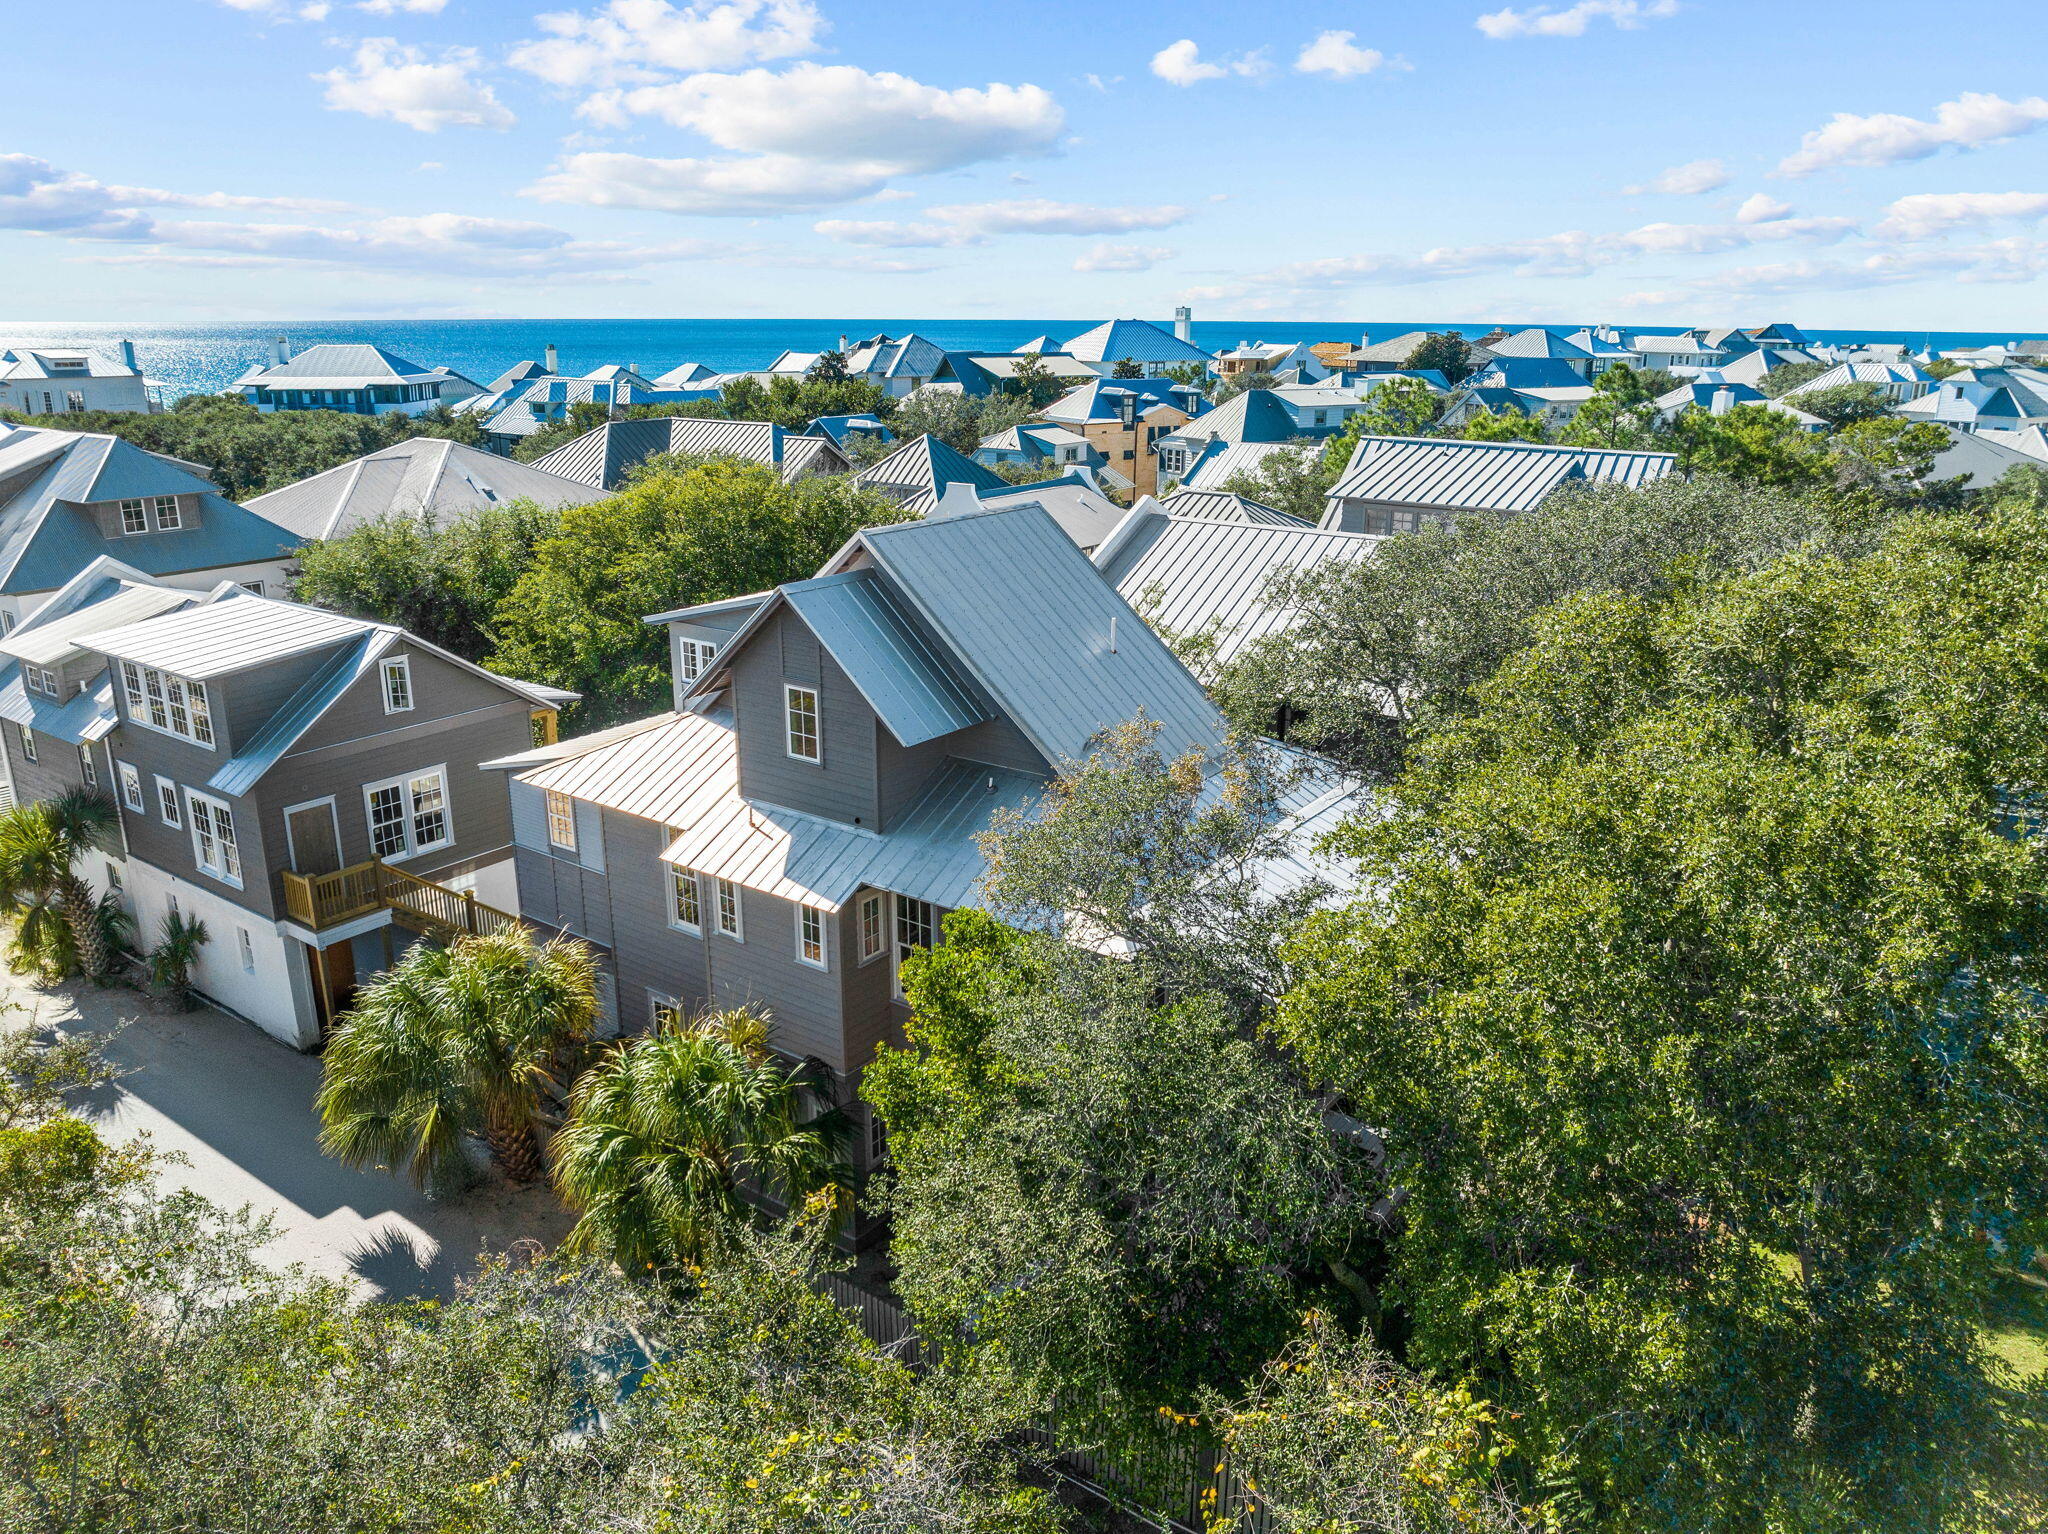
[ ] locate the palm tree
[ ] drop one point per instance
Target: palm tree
(59, 924)
(450, 1042)
(667, 1134)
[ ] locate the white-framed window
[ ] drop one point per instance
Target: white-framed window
(248, 950)
(729, 910)
(86, 769)
(409, 815)
(168, 516)
(692, 656)
(167, 803)
(810, 936)
(28, 741)
(74, 400)
(254, 588)
(160, 701)
(114, 876)
(40, 679)
(685, 912)
(134, 517)
(131, 785)
(561, 821)
(398, 686)
(873, 934)
(663, 1011)
(917, 926)
(878, 1140)
(801, 706)
(213, 838)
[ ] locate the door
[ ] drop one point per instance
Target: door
(313, 837)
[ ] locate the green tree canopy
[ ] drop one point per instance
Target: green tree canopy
(1845, 404)
(1508, 425)
(1127, 367)
(1442, 351)
(1296, 482)
(1695, 982)
(1620, 413)
(1777, 381)
(1397, 407)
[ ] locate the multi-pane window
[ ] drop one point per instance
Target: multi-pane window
(213, 838)
(561, 821)
(134, 517)
(810, 935)
(28, 742)
(248, 950)
(409, 814)
(397, 685)
(167, 514)
(167, 802)
(802, 704)
(168, 703)
(40, 679)
(872, 937)
(131, 786)
(683, 910)
(729, 909)
(917, 926)
(86, 768)
(663, 1011)
(692, 656)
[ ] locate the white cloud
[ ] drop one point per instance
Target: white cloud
(1124, 258)
(1181, 63)
(1687, 180)
(392, 7)
(632, 41)
(1885, 138)
(1335, 54)
(1930, 213)
(974, 223)
(400, 83)
(1761, 208)
(812, 135)
(894, 234)
(155, 197)
(36, 195)
(1542, 21)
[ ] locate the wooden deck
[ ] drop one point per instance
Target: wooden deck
(320, 901)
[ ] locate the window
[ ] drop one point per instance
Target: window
(171, 904)
(134, 517)
(168, 703)
(409, 815)
(561, 821)
(114, 877)
(254, 588)
(28, 742)
(40, 679)
(167, 802)
(131, 786)
(684, 913)
(74, 399)
(663, 1011)
(803, 722)
(878, 1140)
(168, 516)
(917, 927)
(810, 935)
(692, 656)
(213, 838)
(729, 910)
(871, 941)
(398, 690)
(248, 950)
(86, 768)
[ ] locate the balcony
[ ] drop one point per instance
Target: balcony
(320, 901)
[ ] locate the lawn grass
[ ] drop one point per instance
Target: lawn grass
(2018, 1328)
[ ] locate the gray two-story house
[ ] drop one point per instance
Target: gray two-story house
(304, 783)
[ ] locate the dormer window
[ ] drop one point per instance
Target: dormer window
(168, 516)
(692, 656)
(40, 679)
(136, 513)
(160, 701)
(134, 517)
(802, 711)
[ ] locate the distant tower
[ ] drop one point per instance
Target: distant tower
(1184, 324)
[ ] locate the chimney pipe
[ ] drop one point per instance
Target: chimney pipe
(128, 357)
(554, 362)
(1112, 633)
(1184, 324)
(1724, 400)
(280, 351)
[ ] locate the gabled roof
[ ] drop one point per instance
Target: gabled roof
(1100, 399)
(1221, 506)
(1255, 415)
(1083, 512)
(426, 477)
(25, 362)
(1139, 340)
(46, 476)
(1223, 461)
(337, 365)
(1538, 342)
(1498, 476)
(916, 474)
(1525, 373)
(234, 633)
(839, 427)
(909, 684)
(602, 455)
(685, 375)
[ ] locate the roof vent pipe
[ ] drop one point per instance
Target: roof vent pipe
(1112, 633)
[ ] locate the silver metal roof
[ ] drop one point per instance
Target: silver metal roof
(1497, 476)
(282, 730)
(672, 772)
(1223, 506)
(1226, 460)
(422, 477)
(903, 676)
(233, 633)
(52, 642)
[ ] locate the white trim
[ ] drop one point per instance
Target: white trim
(399, 667)
(87, 765)
(191, 698)
(248, 948)
(211, 820)
(896, 943)
(789, 734)
(131, 787)
(28, 741)
(177, 815)
(409, 803)
(721, 889)
(659, 1002)
(676, 876)
(291, 851)
(565, 819)
(824, 958)
(876, 901)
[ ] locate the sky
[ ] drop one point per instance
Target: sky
(1837, 163)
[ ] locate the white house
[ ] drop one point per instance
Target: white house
(54, 380)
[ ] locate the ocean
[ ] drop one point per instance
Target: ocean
(190, 359)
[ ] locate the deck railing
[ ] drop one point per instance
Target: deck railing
(364, 889)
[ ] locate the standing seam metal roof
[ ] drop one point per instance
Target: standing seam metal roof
(1497, 476)
(904, 679)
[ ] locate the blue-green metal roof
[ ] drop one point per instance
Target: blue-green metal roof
(898, 670)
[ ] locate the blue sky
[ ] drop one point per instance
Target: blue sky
(1871, 163)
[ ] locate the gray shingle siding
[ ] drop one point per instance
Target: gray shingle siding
(841, 787)
(648, 953)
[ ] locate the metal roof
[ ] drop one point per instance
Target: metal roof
(671, 770)
(901, 673)
(1139, 340)
(1032, 622)
(233, 633)
(51, 642)
(916, 474)
(602, 455)
(1193, 575)
(282, 730)
(1497, 476)
(1256, 415)
(1083, 512)
(423, 477)
(1222, 506)
(1221, 461)
(85, 715)
(1537, 342)
(343, 365)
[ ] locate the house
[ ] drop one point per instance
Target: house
(897, 365)
(54, 380)
(1073, 501)
(427, 478)
(510, 415)
(687, 376)
(1255, 415)
(302, 783)
(2004, 399)
(1604, 347)
(1222, 462)
(1395, 484)
(1538, 344)
(1151, 347)
(1276, 357)
(1212, 577)
(984, 373)
(1689, 350)
(602, 456)
(1324, 407)
(805, 819)
(1042, 445)
(843, 430)
(916, 474)
(1124, 419)
(1898, 382)
(358, 379)
(68, 497)
(1710, 393)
